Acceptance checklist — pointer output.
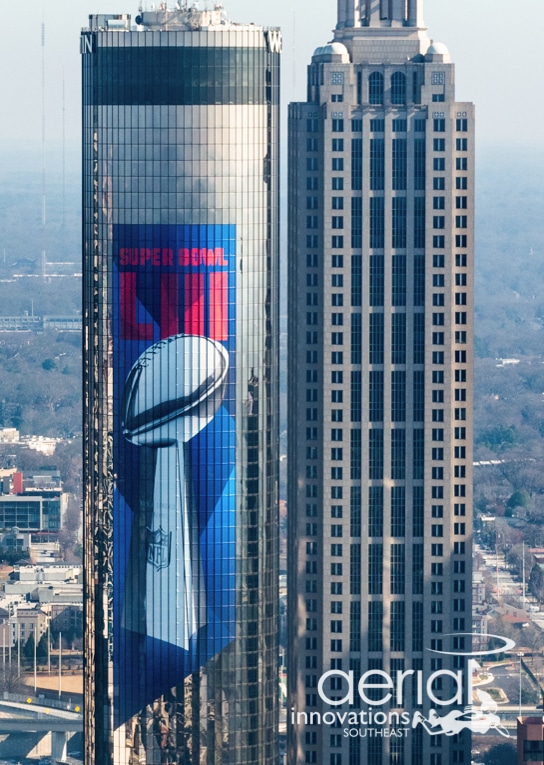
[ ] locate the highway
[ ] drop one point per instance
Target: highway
(17, 717)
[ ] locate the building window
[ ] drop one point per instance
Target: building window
(375, 511)
(417, 569)
(398, 240)
(356, 396)
(376, 281)
(356, 164)
(398, 511)
(376, 338)
(417, 625)
(398, 454)
(419, 280)
(418, 454)
(397, 575)
(419, 164)
(419, 222)
(356, 276)
(419, 396)
(375, 396)
(399, 164)
(375, 569)
(377, 164)
(398, 280)
(398, 625)
(419, 338)
(355, 511)
(398, 395)
(398, 338)
(375, 456)
(337, 125)
(375, 626)
(355, 626)
(398, 88)
(375, 88)
(355, 454)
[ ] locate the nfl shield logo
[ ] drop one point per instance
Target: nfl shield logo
(158, 548)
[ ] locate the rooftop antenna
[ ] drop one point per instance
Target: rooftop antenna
(43, 148)
(63, 155)
(294, 51)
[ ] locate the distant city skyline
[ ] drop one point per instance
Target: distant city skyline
(477, 37)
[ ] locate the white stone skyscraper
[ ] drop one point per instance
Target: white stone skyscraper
(381, 228)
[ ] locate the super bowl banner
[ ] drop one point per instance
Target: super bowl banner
(174, 317)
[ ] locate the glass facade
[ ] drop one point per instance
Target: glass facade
(180, 201)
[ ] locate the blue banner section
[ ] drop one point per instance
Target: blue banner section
(174, 445)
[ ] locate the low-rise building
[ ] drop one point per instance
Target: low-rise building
(530, 739)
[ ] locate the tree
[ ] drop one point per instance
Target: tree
(10, 680)
(519, 498)
(42, 649)
(28, 648)
(501, 754)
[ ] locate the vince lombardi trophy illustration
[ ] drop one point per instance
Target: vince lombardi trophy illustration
(172, 392)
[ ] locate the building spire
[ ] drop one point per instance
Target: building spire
(380, 13)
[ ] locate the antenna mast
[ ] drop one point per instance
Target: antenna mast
(43, 149)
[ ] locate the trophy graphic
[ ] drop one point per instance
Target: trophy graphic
(172, 392)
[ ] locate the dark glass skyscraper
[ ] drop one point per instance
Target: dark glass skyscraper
(381, 227)
(180, 238)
